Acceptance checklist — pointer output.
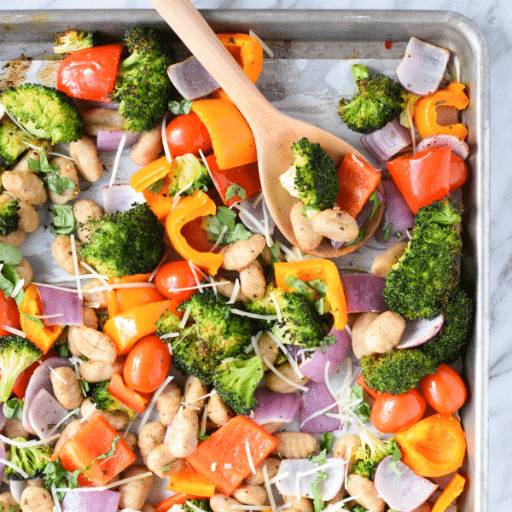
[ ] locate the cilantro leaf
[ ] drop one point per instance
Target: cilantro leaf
(235, 190)
(13, 408)
(64, 221)
(180, 107)
(362, 409)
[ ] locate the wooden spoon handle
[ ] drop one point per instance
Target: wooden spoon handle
(200, 39)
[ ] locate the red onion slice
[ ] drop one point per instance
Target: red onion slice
(191, 79)
(422, 67)
(363, 292)
(314, 366)
(288, 483)
(317, 398)
(109, 141)
(40, 380)
(420, 331)
(82, 104)
(257, 212)
(438, 140)
(274, 406)
(45, 412)
(388, 141)
(120, 198)
(94, 501)
(404, 492)
(65, 304)
(397, 218)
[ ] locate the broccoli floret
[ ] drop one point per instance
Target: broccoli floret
(44, 112)
(313, 177)
(32, 460)
(105, 401)
(396, 371)
(16, 354)
(124, 243)
(201, 504)
(447, 344)
(300, 323)
(72, 41)
(13, 142)
(235, 381)
(419, 284)
(378, 101)
(9, 217)
(212, 334)
(189, 169)
(142, 87)
(371, 452)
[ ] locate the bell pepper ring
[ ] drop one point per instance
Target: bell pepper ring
(425, 113)
(189, 208)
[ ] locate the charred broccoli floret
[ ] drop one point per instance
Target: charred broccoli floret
(142, 87)
(197, 504)
(189, 169)
(235, 381)
(396, 371)
(378, 101)
(300, 323)
(313, 177)
(72, 41)
(104, 400)
(16, 354)
(32, 460)
(212, 334)
(9, 217)
(124, 243)
(371, 452)
(447, 344)
(420, 283)
(44, 112)
(13, 142)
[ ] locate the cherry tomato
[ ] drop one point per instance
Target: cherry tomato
(9, 314)
(186, 133)
(445, 390)
(176, 275)
(458, 172)
(147, 365)
(392, 413)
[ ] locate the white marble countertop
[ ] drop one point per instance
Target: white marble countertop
(494, 19)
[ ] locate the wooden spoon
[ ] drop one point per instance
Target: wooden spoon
(273, 131)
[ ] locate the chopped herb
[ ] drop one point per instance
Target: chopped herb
(326, 442)
(180, 107)
(396, 455)
(235, 190)
(327, 342)
(362, 409)
(300, 286)
(226, 218)
(13, 408)
(32, 318)
(374, 198)
(232, 40)
(9, 278)
(64, 350)
(397, 234)
(156, 187)
(52, 180)
(64, 221)
(318, 504)
(386, 232)
(319, 285)
(10, 254)
(202, 437)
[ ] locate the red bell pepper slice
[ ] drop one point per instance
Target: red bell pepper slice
(128, 396)
(90, 74)
(423, 177)
(357, 180)
(245, 176)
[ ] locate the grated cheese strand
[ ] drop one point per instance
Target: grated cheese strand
(17, 288)
(106, 487)
(64, 288)
(249, 458)
(219, 239)
(234, 293)
(239, 312)
(264, 45)
(165, 142)
(16, 468)
(56, 501)
(12, 330)
(291, 360)
(152, 403)
(185, 317)
(265, 224)
(93, 408)
(204, 419)
(268, 487)
(75, 267)
(176, 198)
(279, 374)
(276, 305)
(28, 444)
(115, 167)
(58, 424)
(196, 279)
(52, 370)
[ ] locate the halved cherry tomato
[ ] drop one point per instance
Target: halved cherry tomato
(175, 275)
(186, 133)
(458, 172)
(392, 413)
(445, 390)
(147, 365)
(9, 314)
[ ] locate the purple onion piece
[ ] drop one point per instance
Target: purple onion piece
(191, 79)
(316, 398)
(94, 501)
(256, 212)
(120, 198)
(109, 140)
(44, 412)
(397, 218)
(363, 292)
(274, 406)
(82, 104)
(422, 68)
(63, 303)
(420, 331)
(388, 141)
(458, 146)
(314, 366)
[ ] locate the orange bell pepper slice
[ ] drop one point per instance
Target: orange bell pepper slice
(247, 51)
(228, 447)
(450, 493)
(151, 173)
(189, 481)
(126, 328)
(232, 140)
(434, 446)
(425, 113)
(188, 209)
(42, 337)
(128, 396)
(95, 439)
(357, 180)
(309, 270)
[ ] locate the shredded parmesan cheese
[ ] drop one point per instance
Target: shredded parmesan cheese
(58, 424)
(185, 317)
(75, 267)
(165, 142)
(234, 293)
(18, 287)
(284, 507)
(64, 279)
(239, 312)
(169, 335)
(187, 404)
(106, 487)
(279, 374)
(254, 220)
(5, 111)
(64, 288)
(28, 444)
(12, 330)
(264, 45)
(268, 487)
(115, 167)
(57, 375)
(196, 279)
(265, 224)
(152, 403)
(249, 458)
(276, 305)
(56, 501)
(176, 198)
(205, 163)
(219, 239)
(93, 408)
(16, 468)
(204, 419)
(291, 360)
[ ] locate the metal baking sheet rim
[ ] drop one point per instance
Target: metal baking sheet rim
(441, 27)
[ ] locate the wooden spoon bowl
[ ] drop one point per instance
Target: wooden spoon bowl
(274, 132)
